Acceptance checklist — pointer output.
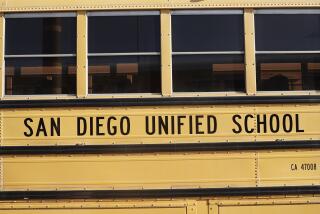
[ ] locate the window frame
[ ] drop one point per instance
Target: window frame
(285, 11)
(201, 13)
(212, 11)
(165, 54)
(8, 56)
(112, 54)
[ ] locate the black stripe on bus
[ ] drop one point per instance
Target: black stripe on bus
(117, 102)
(159, 193)
(152, 148)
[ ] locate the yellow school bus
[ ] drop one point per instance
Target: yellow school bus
(159, 106)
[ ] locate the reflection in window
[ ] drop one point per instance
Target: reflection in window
(203, 73)
(40, 76)
(208, 49)
(124, 52)
(40, 51)
(125, 74)
(292, 73)
(312, 81)
(287, 43)
(281, 76)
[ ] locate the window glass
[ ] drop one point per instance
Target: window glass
(31, 76)
(207, 33)
(112, 34)
(40, 55)
(208, 52)
(287, 32)
(40, 35)
(125, 74)
(287, 50)
(203, 73)
(290, 72)
(124, 53)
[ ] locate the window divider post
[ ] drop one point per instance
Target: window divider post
(82, 54)
(250, 57)
(166, 53)
(2, 51)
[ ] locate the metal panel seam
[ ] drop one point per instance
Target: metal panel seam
(64, 7)
(257, 169)
(1, 158)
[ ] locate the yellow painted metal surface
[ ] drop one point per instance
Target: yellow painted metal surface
(119, 207)
(162, 171)
(297, 168)
(98, 211)
(128, 172)
(302, 204)
(166, 53)
(250, 56)
(82, 58)
(275, 209)
(45, 5)
(172, 124)
(277, 205)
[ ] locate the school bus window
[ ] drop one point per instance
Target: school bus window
(124, 52)
(39, 51)
(208, 51)
(287, 49)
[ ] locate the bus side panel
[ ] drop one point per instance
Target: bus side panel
(162, 171)
(159, 125)
(274, 209)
